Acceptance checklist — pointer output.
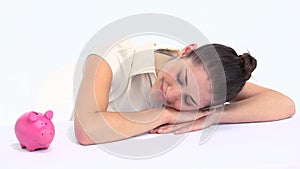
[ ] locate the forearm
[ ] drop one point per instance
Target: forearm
(266, 106)
(101, 127)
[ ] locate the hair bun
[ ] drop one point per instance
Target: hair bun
(249, 64)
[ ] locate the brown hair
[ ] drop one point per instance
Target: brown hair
(228, 71)
(169, 52)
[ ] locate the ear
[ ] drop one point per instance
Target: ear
(32, 116)
(187, 50)
(49, 114)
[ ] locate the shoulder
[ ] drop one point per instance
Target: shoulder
(95, 63)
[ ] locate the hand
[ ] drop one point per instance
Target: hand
(174, 116)
(211, 117)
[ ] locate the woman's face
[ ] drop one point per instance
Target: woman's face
(182, 85)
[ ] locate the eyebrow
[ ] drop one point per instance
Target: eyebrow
(188, 96)
(178, 76)
(186, 76)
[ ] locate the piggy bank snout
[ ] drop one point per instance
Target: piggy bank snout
(46, 136)
(47, 133)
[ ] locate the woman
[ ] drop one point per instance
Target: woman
(134, 91)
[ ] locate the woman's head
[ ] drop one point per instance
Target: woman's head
(207, 76)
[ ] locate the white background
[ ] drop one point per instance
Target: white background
(40, 42)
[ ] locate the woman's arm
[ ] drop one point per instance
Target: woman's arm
(93, 124)
(253, 104)
(256, 104)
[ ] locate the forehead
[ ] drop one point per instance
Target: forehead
(199, 77)
(198, 81)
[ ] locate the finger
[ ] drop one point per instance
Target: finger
(172, 127)
(153, 131)
(200, 124)
(196, 125)
(184, 117)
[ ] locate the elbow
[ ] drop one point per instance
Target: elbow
(288, 108)
(81, 135)
(82, 139)
(291, 108)
(284, 106)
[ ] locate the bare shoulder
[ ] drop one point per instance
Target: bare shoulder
(95, 86)
(94, 64)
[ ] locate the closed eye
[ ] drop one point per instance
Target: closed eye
(186, 100)
(189, 101)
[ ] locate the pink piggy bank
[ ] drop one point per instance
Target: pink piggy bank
(35, 130)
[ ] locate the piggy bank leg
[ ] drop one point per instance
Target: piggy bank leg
(22, 146)
(31, 148)
(36, 149)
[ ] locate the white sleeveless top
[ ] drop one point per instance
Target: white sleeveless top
(133, 69)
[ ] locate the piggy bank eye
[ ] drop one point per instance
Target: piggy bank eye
(42, 123)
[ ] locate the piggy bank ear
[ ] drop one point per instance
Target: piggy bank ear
(32, 116)
(49, 114)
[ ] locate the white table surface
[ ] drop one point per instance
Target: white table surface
(268, 145)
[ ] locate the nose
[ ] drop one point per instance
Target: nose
(46, 136)
(172, 94)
